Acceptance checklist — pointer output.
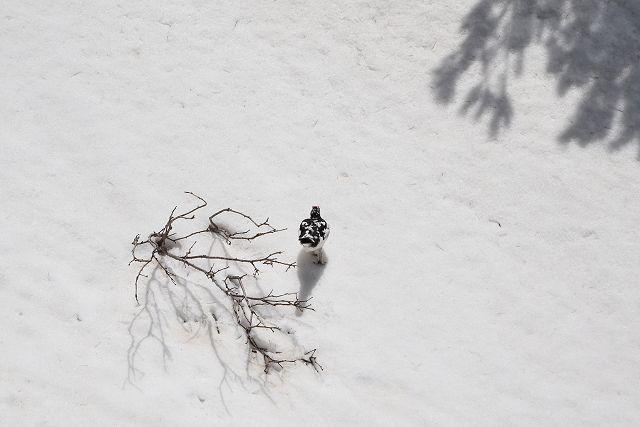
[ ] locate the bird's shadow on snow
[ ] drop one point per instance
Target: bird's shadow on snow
(591, 46)
(309, 274)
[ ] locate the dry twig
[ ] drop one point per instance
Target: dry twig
(163, 246)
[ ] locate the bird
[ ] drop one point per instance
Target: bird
(314, 232)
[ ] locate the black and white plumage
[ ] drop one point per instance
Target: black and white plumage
(314, 231)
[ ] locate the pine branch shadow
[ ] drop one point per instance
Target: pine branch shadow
(592, 46)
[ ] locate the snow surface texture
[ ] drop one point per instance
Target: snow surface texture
(479, 273)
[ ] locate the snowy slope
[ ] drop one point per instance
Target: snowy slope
(474, 278)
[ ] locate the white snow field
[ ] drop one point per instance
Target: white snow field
(477, 161)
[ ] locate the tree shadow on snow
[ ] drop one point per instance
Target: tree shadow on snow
(308, 274)
(591, 45)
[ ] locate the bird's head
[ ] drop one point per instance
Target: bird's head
(315, 211)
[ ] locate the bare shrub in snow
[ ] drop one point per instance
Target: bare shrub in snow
(164, 248)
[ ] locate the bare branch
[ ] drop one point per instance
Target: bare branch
(138, 278)
(244, 305)
(241, 235)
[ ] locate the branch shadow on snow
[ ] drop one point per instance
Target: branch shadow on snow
(591, 45)
(309, 274)
(152, 322)
(192, 309)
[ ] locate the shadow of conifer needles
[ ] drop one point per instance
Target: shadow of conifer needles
(591, 45)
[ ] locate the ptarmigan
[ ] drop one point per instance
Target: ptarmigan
(314, 232)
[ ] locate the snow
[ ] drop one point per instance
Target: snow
(475, 275)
